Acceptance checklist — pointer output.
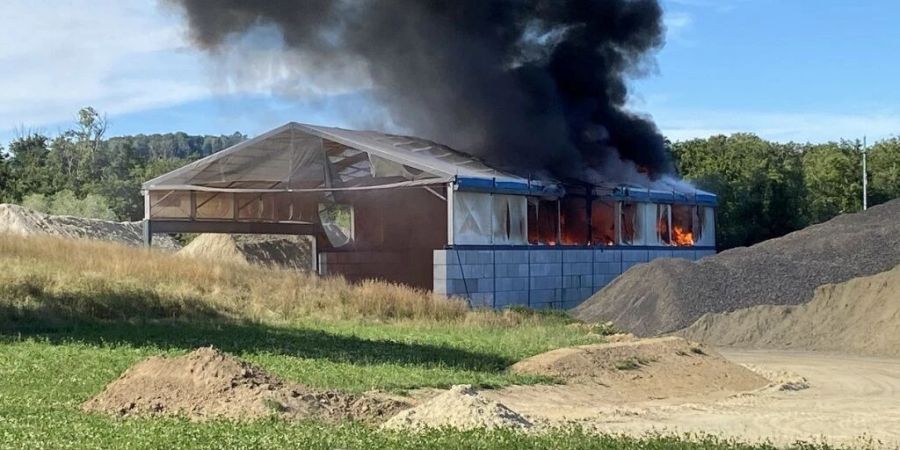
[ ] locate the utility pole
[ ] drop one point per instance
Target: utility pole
(865, 176)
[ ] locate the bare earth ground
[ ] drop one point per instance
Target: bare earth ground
(850, 400)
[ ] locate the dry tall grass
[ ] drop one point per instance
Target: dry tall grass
(65, 279)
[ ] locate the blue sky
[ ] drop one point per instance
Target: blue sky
(802, 70)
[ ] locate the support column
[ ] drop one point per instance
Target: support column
(450, 201)
(148, 233)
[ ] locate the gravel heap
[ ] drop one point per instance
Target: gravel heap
(460, 407)
(644, 369)
(860, 316)
(280, 251)
(669, 294)
(207, 383)
(19, 220)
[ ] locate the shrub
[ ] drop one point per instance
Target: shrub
(66, 203)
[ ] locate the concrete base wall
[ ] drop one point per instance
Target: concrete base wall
(545, 278)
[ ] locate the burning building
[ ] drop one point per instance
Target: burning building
(412, 211)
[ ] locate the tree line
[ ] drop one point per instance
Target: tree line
(81, 172)
(766, 189)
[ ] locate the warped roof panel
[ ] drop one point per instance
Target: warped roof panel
(420, 153)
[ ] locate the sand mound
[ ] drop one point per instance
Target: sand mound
(207, 383)
(19, 220)
(780, 380)
(645, 369)
(460, 407)
(288, 252)
(859, 316)
(667, 294)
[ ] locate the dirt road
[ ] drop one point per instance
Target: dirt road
(849, 400)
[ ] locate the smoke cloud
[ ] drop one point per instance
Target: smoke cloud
(535, 86)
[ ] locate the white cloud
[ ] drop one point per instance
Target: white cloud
(677, 24)
(778, 126)
(119, 56)
(124, 56)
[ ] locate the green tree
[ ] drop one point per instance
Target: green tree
(27, 168)
(5, 182)
(884, 171)
(77, 154)
(832, 175)
(759, 185)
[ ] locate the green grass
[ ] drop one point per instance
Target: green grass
(46, 375)
(343, 355)
(75, 315)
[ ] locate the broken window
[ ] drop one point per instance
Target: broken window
(337, 222)
(543, 221)
(603, 223)
(509, 219)
(687, 224)
(663, 224)
(573, 221)
(630, 224)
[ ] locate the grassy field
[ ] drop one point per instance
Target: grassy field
(74, 315)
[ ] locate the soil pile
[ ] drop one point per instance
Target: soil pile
(669, 294)
(859, 316)
(286, 252)
(207, 383)
(460, 407)
(645, 369)
(19, 220)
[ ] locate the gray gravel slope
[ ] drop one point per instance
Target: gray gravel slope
(667, 294)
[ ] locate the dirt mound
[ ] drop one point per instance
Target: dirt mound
(669, 294)
(859, 316)
(15, 219)
(460, 407)
(287, 252)
(207, 383)
(780, 380)
(645, 369)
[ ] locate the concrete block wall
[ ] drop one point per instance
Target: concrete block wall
(538, 278)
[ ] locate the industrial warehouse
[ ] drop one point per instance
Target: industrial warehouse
(408, 210)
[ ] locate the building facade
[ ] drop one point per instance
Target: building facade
(407, 210)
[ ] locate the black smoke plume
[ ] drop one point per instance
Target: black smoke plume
(538, 86)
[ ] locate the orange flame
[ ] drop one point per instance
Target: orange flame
(682, 237)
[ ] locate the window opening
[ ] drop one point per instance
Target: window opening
(603, 223)
(337, 221)
(629, 223)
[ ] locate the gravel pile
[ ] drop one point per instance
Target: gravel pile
(644, 369)
(460, 407)
(280, 251)
(15, 219)
(669, 294)
(860, 316)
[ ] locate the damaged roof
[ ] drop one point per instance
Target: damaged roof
(302, 157)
